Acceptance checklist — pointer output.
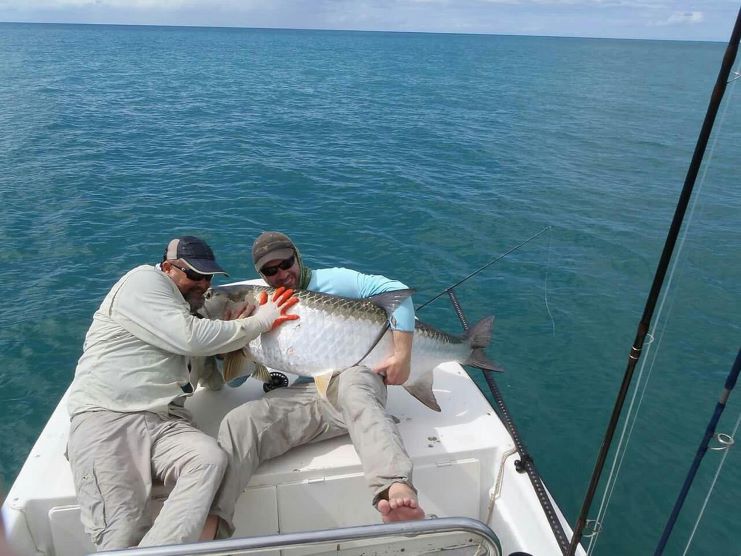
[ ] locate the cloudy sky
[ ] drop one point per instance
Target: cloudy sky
(659, 19)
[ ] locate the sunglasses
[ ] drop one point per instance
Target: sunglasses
(192, 275)
(283, 265)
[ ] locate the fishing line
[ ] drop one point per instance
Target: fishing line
(712, 486)
(449, 291)
(659, 278)
(738, 420)
(487, 265)
(624, 441)
(662, 324)
(710, 429)
(545, 283)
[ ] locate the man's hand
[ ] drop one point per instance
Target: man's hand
(273, 312)
(396, 367)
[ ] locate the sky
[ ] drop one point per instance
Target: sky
(709, 20)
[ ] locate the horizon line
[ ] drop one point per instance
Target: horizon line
(187, 26)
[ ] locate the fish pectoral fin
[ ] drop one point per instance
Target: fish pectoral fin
(261, 373)
(205, 371)
(421, 389)
(322, 382)
(236, 364)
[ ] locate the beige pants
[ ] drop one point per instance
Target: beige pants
(115, 457)
(288, 417)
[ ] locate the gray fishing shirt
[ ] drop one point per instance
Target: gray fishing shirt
(137, 350)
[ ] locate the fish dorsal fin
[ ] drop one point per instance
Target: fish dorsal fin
(389, 301)
(322, 383)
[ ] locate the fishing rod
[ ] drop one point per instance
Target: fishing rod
(709, 433)
(525, 464)
(487, 265)
(450, 291)
(658, 281)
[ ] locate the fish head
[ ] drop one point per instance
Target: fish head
(219, 299)
(215, 304)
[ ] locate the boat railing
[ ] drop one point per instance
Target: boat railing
(465, 536)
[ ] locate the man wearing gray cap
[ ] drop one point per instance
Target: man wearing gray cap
(355, 404)
(126, 402)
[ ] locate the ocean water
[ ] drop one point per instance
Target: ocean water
(417, 156)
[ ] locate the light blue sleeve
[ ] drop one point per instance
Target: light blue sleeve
(349, 283)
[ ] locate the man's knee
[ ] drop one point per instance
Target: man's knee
(121, 534)
(216, 458)
(237, 427)
(112, 503)
(360, 386)
(211, 457)
(123, 524)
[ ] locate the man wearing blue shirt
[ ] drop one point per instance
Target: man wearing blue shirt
(355, 404)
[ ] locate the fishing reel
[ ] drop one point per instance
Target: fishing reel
(277, 380)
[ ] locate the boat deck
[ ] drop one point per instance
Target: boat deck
(463, 457)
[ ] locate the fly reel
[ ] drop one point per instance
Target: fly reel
(277, 380)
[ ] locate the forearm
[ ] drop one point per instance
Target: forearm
(170, 327)
(269, 314)
(209, 337)
(403, 345)
(397, 366)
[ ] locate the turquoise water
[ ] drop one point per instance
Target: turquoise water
(418, 156)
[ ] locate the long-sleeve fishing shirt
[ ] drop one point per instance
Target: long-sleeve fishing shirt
(137, 350)
(355, 285)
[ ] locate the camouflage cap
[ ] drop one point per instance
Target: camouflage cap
(270, 246)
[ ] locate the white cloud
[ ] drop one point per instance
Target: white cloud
(64, 4)
(664, 19)
(681, 18)
(596, 4)
(162, 5)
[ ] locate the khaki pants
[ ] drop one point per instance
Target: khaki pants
(288, 417)
(114, 458)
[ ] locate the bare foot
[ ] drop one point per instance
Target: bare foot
(402, 504)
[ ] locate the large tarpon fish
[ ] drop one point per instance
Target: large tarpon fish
(335, 333)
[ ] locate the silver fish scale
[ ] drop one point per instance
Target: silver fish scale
(363, 308)
(319, 341)
(342, 306)
(334, 333)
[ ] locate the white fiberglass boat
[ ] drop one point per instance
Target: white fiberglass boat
(466, 464)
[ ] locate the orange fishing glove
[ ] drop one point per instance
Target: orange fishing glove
(274, 311)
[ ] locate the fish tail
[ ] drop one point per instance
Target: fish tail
(478, 337)
(480, 360)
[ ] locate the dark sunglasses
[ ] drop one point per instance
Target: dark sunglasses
(283, 265)
(192, 275)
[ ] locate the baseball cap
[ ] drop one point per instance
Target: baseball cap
(195, 253)
(270, 246)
